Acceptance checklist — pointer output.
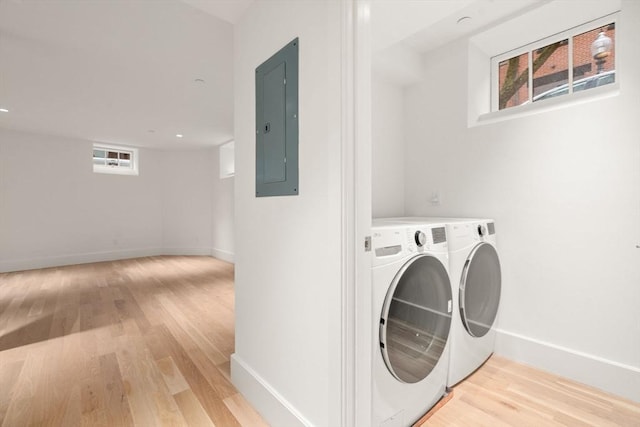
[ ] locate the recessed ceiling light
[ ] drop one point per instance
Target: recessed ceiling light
(179, 135)
(199, 81)
(464, 20)
(3, 110)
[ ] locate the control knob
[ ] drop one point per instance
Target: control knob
(482, 230)
(420, 238)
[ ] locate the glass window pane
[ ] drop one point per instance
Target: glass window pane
(125, 156)
(513, 81)
(100, 162)
(125, 163)
(551, 70)
(112, 162)
(594, 58)
(98, 154)
(112, 154)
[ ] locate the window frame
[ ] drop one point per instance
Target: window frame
(116, 170)
(531, 47)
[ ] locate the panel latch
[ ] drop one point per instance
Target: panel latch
(367, 244)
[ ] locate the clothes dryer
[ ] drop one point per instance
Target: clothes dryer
(412, 307)
(476, 275)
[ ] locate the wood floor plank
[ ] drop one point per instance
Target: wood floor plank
(20, 409)
(183, 322)
(192, 410)
(36, 307)
(72, 413)
(244, 413)
(129, 308)
(502, 407)
(210, 398)
(92, 386)
(9, 318)
(149, 399)
(18, 413)
(8, 376)
(116, 402)
(225, 369)
(51, 390)
(172, 376)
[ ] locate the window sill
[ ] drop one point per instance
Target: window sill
(114, 171)
(594, 94)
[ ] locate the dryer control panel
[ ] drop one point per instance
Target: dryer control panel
(463, 234)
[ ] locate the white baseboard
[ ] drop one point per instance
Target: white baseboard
(274, 408)
(607, 375)
(223, 255)
(71, 259)
(187, 251)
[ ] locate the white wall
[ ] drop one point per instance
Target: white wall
(288, 343)
(223, 227)
(387, 138)
(187, 202)
(55, 211)
(564, 189)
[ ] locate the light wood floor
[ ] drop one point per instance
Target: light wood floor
(504, 393)
(147, 342)
(142, 342)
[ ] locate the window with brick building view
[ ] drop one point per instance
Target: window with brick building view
(544, 72)
(112, 159)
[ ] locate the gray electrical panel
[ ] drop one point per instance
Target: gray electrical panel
(277, 124)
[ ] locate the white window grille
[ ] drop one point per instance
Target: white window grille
(115, 160)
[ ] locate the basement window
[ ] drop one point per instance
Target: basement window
(575, 60)
(115, 160)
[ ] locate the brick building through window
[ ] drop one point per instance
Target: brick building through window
(551, 68)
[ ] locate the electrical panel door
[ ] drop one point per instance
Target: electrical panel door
(277, 124)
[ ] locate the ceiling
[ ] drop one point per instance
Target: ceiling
(140, 72)
(403, 31)
(130, 72)
(229, 10)
(394, 20)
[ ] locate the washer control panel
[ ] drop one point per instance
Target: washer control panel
(393, 242)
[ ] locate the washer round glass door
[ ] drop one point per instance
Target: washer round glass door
(480, 287)
(416, 318)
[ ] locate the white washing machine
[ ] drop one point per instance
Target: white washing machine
(474, 268)
(475, 271)
(412, 310)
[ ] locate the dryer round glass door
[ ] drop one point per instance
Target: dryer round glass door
(480, 287)
(415, 319)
